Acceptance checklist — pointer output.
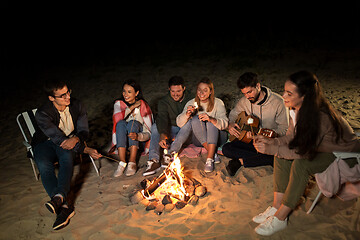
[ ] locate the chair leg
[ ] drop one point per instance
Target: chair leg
(34, 169)
(93, 162)
(314, 203)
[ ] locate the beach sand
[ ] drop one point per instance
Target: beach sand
(102, 204)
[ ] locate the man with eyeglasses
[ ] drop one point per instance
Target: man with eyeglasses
(61, 132)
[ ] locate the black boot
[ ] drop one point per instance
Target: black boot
(233, 166)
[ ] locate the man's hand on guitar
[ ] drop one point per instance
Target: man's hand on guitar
(259, 146)
(232, 129)
(263, 139)
(261, 143)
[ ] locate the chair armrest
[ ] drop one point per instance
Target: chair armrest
(344, 155)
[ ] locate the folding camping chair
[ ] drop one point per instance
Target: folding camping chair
(338, 155)
(27, 125)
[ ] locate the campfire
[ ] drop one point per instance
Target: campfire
(170, 189)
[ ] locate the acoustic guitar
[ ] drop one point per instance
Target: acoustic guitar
(248, 123)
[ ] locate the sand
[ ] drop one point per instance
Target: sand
(102, 204)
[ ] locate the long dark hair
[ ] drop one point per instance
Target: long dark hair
(136, 86)
(308, 119)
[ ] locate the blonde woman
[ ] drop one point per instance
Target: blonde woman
(203, 118)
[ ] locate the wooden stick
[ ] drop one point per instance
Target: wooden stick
(111, 158)
(132, 126)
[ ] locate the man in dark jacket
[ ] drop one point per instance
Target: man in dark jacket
(165, 129)
(62, 128)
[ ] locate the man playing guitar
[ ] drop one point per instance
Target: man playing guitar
(258, 103)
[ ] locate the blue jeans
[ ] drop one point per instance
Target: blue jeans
(251, 158)
(154, 152)
(123, 128)
(200, 132)
(45, 155)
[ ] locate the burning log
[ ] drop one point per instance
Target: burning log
(169, 190)
(150, 189)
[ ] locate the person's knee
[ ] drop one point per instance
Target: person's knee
(154, 129)
(121, 125)
(43, 165)
(226, 149)
(299, 165)
(133, 126)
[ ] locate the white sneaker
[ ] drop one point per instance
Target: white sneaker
(131, 169)
(120, 169)
(217, 159)
(271, 225)
(166, 160)
(209, 165)
(153, 166)
(270, 211)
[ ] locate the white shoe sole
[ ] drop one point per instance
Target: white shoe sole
(152, 172)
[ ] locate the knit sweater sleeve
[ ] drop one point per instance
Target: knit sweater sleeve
(181, 119)
(280, 145)
(220, 115)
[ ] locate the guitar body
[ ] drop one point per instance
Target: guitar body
(245, 120)
(249, 123)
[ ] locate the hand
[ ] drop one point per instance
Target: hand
(232, 129)
(260, 146)
(164, 144)
(190, 111)
(92, 152)
(69, 143)
(204, 117)
(263, 139)
(249, 135)
(133, 136)
(136, 104)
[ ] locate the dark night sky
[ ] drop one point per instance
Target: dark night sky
(42, 35)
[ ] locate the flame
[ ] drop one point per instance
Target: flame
(173, 184)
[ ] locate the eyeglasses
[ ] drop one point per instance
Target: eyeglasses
(64, 94)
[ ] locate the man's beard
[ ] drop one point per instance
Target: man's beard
(256, 98)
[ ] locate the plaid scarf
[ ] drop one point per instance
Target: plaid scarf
(119, 114)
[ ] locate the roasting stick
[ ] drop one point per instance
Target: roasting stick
(111, 158)
(132, 124)
(102, 155)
